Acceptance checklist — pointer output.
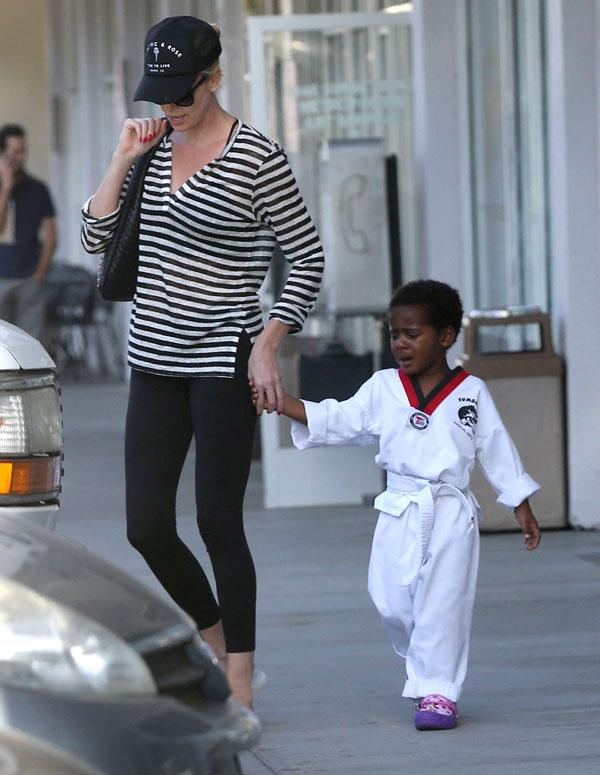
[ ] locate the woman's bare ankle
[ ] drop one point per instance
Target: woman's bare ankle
(223, 663)
(241, 690)
(239, 674)
(215, 638)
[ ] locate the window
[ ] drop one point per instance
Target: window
(508, 152)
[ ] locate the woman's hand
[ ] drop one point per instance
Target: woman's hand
(529, 525)
(138, 135)
(263, 369)
(265, 379)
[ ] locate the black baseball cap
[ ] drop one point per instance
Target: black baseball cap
(175, 51)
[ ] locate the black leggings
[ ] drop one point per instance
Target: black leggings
(162, 416)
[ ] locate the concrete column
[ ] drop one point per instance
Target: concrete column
(441, 143)
(231, 17)
(574, 149)
(136, 21)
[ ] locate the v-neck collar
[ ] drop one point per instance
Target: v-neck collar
(235, 128)
(430, 402)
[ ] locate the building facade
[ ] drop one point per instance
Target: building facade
(489, 108)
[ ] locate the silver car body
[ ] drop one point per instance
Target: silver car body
(190, 726)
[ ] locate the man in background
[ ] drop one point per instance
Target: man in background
(27, 235)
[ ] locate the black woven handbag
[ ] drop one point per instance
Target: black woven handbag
(117, 276)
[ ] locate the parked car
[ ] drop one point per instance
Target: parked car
(30, 429)
(104, 669)
(24, 755)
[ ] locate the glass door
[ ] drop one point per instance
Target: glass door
(322, 82)
(335, 91)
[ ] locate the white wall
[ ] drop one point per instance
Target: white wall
(573, 42)
(24, 77)
(441, 143)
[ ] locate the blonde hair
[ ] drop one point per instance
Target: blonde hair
(215, 70)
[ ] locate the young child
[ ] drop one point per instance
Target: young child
(431, 423)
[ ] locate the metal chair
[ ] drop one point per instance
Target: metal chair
(81, 336)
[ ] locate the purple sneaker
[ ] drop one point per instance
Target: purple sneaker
(436, 712)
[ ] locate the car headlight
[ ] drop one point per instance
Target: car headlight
(46, 646)
(30, 420)
(30, 439)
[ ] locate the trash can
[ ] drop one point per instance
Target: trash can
(511, 349)
(334, 373)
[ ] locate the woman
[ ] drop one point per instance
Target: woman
(217, 196)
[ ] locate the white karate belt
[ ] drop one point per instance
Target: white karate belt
(402, 491)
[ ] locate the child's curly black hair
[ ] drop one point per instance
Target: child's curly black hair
(441, 303)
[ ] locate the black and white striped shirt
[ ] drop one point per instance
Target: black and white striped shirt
(205, 251)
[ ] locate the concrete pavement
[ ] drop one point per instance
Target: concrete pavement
(332, 704)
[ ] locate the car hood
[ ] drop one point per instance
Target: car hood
(18, 350)
(67, 573)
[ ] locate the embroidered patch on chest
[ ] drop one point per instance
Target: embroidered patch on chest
(419, 421)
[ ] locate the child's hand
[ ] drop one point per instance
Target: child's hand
(254, 396)
(529, 525)
(253, 392)
(292, 407)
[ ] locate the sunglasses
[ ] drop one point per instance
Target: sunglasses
(188, 97)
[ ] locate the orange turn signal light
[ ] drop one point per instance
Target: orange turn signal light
(28, 476)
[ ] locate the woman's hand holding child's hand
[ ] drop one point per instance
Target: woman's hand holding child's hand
(529, 525)
(254, 395)
(291, 407)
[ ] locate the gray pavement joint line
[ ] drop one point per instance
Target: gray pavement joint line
(264, 762)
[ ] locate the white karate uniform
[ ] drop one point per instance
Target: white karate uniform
(423, 566)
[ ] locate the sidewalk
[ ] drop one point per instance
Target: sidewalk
(332, 703)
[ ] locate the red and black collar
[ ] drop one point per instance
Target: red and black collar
(430, 402)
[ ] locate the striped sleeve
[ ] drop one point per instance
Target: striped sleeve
(96, 233)
(278, 203)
